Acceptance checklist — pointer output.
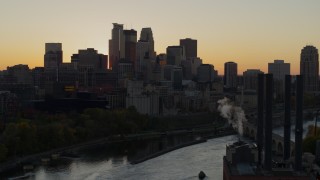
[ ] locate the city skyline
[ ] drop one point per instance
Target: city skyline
(252, 34)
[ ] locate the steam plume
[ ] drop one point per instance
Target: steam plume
(234, 114)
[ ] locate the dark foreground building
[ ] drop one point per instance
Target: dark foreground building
(240, 163)
(251, 162)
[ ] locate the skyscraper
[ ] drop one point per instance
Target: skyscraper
(116, 46)
(190, 46)
(147, 36)
(279, 69)
(230, 74)
(175, 54)
(142, 59)
(53, 55)
(250, 79)
(205, 73)
(309, 68)
(130, 37)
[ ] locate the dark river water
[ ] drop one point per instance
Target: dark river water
(184, 163)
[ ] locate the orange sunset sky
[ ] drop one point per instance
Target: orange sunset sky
(249, 32)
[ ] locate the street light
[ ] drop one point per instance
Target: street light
(315, 123)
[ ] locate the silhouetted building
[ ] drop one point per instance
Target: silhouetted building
(38, 77)
(53, 55)
(205, 73)
(309, 68)
(68, 75)
(250, 79)
(175, 54)
(190, 46)
(186, 68)
(125, 69)
(147, 36)
(116, 46)
(162, 59)
(177, 76)
(195, 63)
(130, 37)
(21, 73)
(230, 74)
(279, 69)
(142, 59)
(89, 58)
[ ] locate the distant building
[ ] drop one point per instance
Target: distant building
(142, 59)
(309, 68)
(53, 55)
(144, 102)
(90, 58)
(186, 69)
(162, 59)
(205, 73)
(175, 54)
(21, 73)
(116, 46)
(147, 36)
(250, 79)
(230, 74)
(177, 75)
(38, 77)
(279, 69)
(190, 46)
(130, 37)
(195, 63)
(125, 69)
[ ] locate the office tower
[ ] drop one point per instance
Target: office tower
(279, 69)
(177, 76)
(130, 37)
(309, 68)
(205, 73)
(250, 79)
(175, 54)
(90, 58)
(38, 77)
(230, 74)
(20, 73)
(195, 63)
(53, 55)
(142, 58)
(125, 69)
(147, 36)
(162, 59)
(87, 62)
(116, 46)
(186, 68)
(190, 46)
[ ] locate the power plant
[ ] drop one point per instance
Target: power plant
(257, 161)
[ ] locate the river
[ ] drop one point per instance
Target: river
(184, 163)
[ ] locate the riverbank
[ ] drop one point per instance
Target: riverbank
(35, 158)
(169, 149)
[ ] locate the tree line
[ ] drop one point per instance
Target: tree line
(42, 131)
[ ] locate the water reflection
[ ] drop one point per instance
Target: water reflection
(112, 163)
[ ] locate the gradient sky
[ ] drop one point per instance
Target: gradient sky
(249, 32)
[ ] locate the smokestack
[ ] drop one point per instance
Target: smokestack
(298, 135)
(268, 124)
(287, 117)
(260, 117)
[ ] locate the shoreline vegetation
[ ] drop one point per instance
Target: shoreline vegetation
(30, 137)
